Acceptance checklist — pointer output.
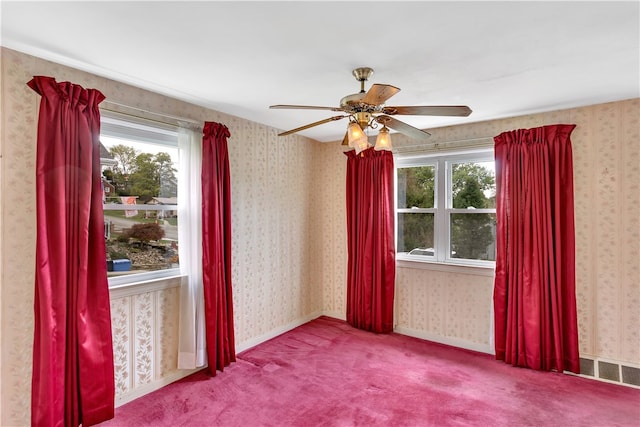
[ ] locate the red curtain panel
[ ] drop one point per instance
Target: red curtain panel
(216, 247)
(534, 294)
(370, 239)
(73, 374)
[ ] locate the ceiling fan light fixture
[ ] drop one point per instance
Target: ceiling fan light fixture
(361, 145)
(355, 135)
(383, 141)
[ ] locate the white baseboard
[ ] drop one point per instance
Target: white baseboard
(454, 342)
(335, 315)
(245, 345)
(153, 386)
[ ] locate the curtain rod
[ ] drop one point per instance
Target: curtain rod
(484, 141)
(114, 109)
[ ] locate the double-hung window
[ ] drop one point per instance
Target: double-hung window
(140, 172)
(445, 208)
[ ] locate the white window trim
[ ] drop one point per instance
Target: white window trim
(449, 267)
(127, 127)
(441, 260)
(144, 286)
(137, 278)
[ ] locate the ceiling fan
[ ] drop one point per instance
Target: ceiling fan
(367, 109)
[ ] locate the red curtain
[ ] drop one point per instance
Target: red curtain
(534, 294)
(371, 268)
(216, 247)
(73, 379)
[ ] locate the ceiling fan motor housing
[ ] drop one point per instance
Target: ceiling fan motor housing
(354, 103)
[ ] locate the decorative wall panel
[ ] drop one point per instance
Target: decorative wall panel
(167, 327)
(145, 321)
(143, 331)
(121, 335)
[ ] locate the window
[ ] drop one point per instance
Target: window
(139, 163)
(445, 208)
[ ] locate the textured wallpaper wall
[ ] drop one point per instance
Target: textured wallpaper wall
(329, 238)
(456, 308)
(273, 215)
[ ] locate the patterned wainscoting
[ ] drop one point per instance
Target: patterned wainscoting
(145, 322)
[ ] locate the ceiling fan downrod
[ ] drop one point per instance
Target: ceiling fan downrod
(362, 74)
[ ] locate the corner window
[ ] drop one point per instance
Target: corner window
(140, 173)
(445, 208)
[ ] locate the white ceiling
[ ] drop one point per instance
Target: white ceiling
(500, 58)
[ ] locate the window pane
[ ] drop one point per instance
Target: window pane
(145, 242)
(416, 187)
(415, 233)
(141, 169)
(139, 173)
(473, 236)
(473, 185)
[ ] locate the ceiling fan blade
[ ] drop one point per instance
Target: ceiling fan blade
(435, 110)
(405, 128)
(378, 94)
(304, 107)
(310, 125)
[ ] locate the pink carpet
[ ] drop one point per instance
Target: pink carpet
(326, 373)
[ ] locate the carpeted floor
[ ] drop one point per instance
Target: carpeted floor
(326, 373)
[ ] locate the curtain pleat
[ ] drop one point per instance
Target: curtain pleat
(216, 247)
(534, 292)
(73, 373)
(370, 240)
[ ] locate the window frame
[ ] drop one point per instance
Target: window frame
(129, 128)
(443, 209)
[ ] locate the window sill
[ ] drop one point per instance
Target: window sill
(142, 287)
(475, 270)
